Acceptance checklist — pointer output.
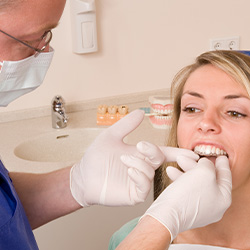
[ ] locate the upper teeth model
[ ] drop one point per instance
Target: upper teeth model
(161, 111)
(208, 150)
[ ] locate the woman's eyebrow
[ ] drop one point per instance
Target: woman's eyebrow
(193, 94)
(229, 97)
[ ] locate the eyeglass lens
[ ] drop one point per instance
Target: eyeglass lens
(45, 41)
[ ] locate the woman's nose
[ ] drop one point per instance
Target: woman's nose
(209, 123)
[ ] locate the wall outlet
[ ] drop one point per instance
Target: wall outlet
(229, 43)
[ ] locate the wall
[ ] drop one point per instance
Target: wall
(142, 44)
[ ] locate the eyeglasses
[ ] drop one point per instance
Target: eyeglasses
(43, 43)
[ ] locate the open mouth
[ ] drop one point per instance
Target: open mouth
(208, 150)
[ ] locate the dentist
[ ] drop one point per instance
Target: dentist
(28, 201)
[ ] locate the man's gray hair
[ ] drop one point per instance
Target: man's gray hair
(5, 4)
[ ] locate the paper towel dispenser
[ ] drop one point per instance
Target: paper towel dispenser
(83, 25)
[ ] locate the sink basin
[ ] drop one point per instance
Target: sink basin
(58, 146)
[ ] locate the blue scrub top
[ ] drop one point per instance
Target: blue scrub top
(15, 230)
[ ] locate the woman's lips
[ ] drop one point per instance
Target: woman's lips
(209, 150)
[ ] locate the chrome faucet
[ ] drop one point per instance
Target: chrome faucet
(59, 117)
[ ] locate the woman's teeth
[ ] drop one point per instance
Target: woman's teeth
(207, 150)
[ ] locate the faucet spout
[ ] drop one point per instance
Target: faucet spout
(59, 116)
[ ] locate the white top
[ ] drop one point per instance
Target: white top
(196, 247)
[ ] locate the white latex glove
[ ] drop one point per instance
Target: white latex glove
(102, 178)
(196, 198)
(171, 154)
(186, 164)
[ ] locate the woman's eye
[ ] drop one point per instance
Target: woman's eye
(235, 114)
(190, 110)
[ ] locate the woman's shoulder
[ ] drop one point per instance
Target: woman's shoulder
(121, 234)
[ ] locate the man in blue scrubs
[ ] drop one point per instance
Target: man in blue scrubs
(28, 201)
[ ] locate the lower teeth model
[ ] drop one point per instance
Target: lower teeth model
(207, 150)
(160, 105)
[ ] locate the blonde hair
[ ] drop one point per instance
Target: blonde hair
(235, 64)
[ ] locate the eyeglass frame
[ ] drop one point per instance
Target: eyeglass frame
(38, 51)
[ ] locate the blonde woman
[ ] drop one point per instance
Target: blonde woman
(212, 118)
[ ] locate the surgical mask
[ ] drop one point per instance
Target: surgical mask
(18, 78)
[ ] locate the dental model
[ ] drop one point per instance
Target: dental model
(161, 111)
(108, 115)
(208, 150)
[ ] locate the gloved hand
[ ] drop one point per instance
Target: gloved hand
(171, 154)
(196, 198)
(102, 178)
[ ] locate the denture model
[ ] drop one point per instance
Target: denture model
(108, 115)
(162, 109)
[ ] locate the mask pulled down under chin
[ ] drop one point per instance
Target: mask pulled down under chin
(18, 78)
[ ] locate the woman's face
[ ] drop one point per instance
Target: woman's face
(215, 120)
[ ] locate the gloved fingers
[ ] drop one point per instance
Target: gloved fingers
(205, 162)
(186, 163)
(126, 125)
(143, 184)
(206, 167)
(139, 164)
(222, 165)
(152, 153)
(171, 153)
(173, 173)
(224, 175)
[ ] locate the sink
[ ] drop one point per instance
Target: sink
(57, 146)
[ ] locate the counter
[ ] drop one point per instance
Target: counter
(14, 132)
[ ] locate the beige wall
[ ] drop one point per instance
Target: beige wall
(142, 43)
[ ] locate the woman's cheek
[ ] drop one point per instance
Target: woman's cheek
(181, 133)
